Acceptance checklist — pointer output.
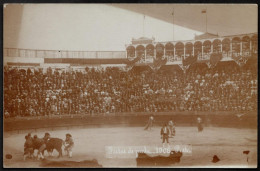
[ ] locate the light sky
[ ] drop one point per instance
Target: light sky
(88, 27)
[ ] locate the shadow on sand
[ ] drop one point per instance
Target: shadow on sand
(86, 163)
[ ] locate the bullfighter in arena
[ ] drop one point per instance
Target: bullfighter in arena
(29, 136)
(149, 125)
(200, 126)
(69, 145)
(172, 128)
(40, 145)
(46, 137)
(28, 147)
(165, 134)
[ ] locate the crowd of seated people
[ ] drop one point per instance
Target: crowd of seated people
(110, 91)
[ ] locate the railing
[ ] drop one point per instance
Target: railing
(226, 54)
(29, 53)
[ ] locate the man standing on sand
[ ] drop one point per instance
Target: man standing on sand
(165, 134)
(200, 126)
(150, 123)
(171, 127)
(28, 147)
(69, 143)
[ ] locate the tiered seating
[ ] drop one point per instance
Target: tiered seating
(222, 88)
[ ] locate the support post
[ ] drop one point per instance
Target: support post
(231, 49)
(241, 47)
(174, 51)
(250, 45)
(164, 52)
(202, 52)
(145, 54)
(184, 55)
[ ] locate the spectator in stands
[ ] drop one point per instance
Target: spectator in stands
(34, 93)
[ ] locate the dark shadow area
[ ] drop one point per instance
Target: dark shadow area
(145, 160)
(84, 163)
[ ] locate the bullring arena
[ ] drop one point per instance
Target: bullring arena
(228, 143)
(109, 108)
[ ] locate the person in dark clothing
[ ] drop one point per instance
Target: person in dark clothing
(69, 143)
(40, 145)
(28, 147)
(165, 134)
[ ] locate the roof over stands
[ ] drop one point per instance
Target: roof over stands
(222, 19)
(143, 38)
(142, 68)
(227, 63)
(206, 36)
(170, 68)
(252, 63)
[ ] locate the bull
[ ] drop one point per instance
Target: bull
(54, 143)
(42, 144)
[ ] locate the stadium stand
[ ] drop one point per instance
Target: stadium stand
(204, 75)
(226, 87)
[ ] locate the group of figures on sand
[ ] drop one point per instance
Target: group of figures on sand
(168, 129)
(46, 143)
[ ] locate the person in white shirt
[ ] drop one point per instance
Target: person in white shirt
(171, 127)
(151, 120)
(200, 127)
(150, 123)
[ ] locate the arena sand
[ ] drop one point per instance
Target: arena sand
(227, 143)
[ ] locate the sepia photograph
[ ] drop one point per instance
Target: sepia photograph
(130, 85)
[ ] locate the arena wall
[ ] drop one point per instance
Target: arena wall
(215, 119)
(23, 60)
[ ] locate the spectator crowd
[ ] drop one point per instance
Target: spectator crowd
(33, 92)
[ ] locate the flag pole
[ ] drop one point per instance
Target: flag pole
(143, 25)
(206, 20)
(173, 24)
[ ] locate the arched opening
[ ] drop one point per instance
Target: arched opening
(197, 48)
(226, 45)
(179, 50)
(206, 50)
(236, 46)
(216, 46)
(246, 46)
(140, 52)
(149, 51)
(169, 52)
(188, 49)
(254, 44)
(206, 47)
(159, 51)
(130, 51)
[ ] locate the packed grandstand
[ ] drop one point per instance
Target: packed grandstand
(221, 81)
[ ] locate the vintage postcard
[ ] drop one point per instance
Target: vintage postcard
(130, 85)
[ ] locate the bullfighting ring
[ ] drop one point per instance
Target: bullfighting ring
(91, 142)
